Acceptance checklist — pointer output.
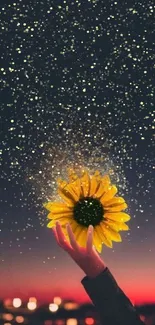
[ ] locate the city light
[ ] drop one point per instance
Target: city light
(60, 322)
(53, 307)
(89, 320)
(71, 321)
(48, 322)
(7, 317)
(71, 305)
(19, 319)
(57, 300)
(32, 299)
(7, 302)
(17, 302)
(31, 305)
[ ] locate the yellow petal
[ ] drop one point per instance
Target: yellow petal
(104, 185)
(117, 226)
(97, 241)
(67, 190)
(85, 184)
(57, 207)
(114, 202)
(70, 191)
(82, 237)
(76, 185)
(52, 223)
(57, 216)
(97, 174)
(106, 180)
(61, 211)
(61, 183)
(116, 208)
(123, 226)
(70, 188)
(118, 216)
(93, 186)
(107, 241)
(110, 233)
(66, 197)
(101, 190)
(77, 232)
(109, 194)
(72, 175)
(73, 225)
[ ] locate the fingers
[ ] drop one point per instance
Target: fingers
(72, 237)
(69, 247)
(55, 234)
(89, 243)
(60, 237)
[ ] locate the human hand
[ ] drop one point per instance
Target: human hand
(86, 258)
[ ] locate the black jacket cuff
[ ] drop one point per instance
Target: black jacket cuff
(113, 306)
(104, 284)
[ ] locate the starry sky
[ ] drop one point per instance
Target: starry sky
(77, 81)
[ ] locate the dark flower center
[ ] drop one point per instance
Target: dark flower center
(88, 211)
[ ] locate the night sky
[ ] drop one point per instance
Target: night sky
(77, 81)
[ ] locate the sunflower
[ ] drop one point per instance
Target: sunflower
(89, 200)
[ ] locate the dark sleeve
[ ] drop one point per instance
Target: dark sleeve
(112, 305)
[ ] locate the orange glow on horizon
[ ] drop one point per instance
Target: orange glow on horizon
(82, 299)
(138, 296)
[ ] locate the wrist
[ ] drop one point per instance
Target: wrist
(95, 267)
